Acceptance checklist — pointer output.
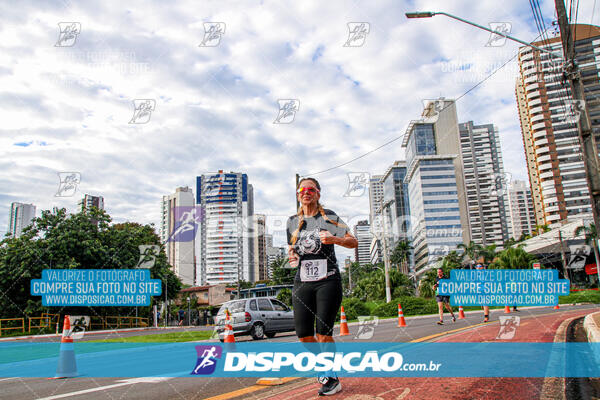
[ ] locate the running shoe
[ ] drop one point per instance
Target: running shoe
(486, 319)
(453, 318)
(331, 386)
(440, 322)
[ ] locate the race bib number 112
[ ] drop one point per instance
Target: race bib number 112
(313, 270)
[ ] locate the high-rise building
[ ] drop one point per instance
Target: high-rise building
(225, 243)
(178, 229)
(90, 201)
(438, 207)
(395, 204)
(520, 210)
(260, 248)
(375, 196)
(548, 116)
(485, 183)
(375, 251)
(20, 217)
(362, 233)
(273, 253)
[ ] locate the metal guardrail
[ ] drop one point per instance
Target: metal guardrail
(50, 320)
(44, 322)
(10, 328)
(126, 322)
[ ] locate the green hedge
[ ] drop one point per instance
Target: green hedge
(421, 306)
(410, 306)
(353, 307)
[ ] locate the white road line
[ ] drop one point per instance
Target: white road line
(126, 382)
(8, 379)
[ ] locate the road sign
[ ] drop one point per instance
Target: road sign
(536, 265)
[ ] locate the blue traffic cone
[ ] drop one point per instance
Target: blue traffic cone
(67, 367)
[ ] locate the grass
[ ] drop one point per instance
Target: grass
(172, 337)
(586, 296)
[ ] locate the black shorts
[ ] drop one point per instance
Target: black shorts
(318, 301)
(442, 299)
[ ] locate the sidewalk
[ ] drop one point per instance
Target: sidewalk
(545, 328)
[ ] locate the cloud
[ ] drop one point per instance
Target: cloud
(68, 108)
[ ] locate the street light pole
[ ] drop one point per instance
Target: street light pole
(591, 162)
(188, 300)
(429, 14)
(386, 260)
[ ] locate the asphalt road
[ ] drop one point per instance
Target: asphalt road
(418, 329)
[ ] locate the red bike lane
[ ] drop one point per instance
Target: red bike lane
(531, 329)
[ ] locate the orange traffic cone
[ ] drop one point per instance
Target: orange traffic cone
(461, 312)
(401, 321)
(343, 323)
(229, 338)
(506, 310)
(67, 367)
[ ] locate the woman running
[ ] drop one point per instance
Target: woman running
(486, 309)
(317, 293)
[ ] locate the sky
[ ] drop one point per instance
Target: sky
(68, 104)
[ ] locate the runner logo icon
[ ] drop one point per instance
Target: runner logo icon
(207, 359)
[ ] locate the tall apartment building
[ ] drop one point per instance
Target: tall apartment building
(362, 233)
(89, 201)
(260, 248)
(548, 114)
(375, 203)
(225, 243)
(395, 203)
(273, 253)
(375, 196)
(485, 183)
(178, 229)
(375, 251)
(20, 217)
(521, 218)
(438, 204)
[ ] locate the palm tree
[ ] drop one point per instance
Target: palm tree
(488, 253)
(472, 250)
(453, 259)
(513, 258)
(539, 229)
(591, 237)
(401, 254)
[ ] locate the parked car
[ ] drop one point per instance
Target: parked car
(257, 317)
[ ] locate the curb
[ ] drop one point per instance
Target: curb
(592, 331)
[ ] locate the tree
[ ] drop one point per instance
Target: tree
(372, 287)
(472, 250)
(84, 240)
(488, 253)
(453, 259)
(401, 255)
(591, 238)
(513, 258)
(285, 296)
(539, 229)
(281, 275)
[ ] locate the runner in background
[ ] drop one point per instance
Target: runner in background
(486, 309)
(442, 300)
(317, 294)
